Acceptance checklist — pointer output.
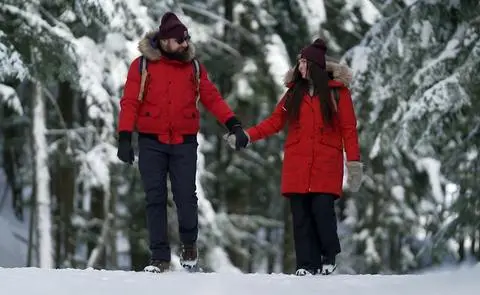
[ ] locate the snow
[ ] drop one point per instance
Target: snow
(244, 89)
(427, 31)
(91, 65)
(216, 256)
(277, 57)
(219, 261)
(370, 13)
(314, 10)
(439, 98)
(398, 192)
(97, 282)
(450, 51)
(375, 148)
(96, 165)
(370, 251)
(9, 96)
(359, 62)
(13, 242)
(11, 64)
(14, 232)
(432, 168)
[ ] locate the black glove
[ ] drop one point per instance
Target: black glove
(235, 128)
(125, 150)
(241, 138)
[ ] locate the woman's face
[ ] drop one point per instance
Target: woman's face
(303, 67)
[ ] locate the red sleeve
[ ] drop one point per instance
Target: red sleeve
(271, 125)
(129, 102)
(348, 124)
(211, 98)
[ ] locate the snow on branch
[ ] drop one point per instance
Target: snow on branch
(11, 64)
(446, 95)
(246, 34)
(9, 96)
(36, 22)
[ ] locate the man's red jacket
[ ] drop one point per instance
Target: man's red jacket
(169, 107)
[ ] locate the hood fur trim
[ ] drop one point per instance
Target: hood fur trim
(340, 72)
(151, 53)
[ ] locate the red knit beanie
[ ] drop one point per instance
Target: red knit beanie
(172, 27)
(315, 52)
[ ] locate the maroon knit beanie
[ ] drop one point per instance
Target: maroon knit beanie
(315, 52)
(172, 27)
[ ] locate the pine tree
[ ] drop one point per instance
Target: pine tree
(413, 91)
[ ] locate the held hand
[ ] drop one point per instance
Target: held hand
(241, 138)
(230, 139)
(125, 150)
(237, 140)
(355, 175)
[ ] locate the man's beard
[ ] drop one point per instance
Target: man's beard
(180, 56)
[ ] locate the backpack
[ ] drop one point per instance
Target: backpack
(144, 73)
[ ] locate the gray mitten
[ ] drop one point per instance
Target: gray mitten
(355, 175)
(231, 139)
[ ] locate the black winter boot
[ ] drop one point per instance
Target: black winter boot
(303, 272)
(329, 265)
(157, 266)
(189, 256)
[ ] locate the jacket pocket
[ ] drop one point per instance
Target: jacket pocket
(148, 109)
(292, 140)
(332, 139)
(189, 122)
(190, 114)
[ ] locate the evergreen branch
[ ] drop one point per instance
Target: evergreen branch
(52, 18)
(36, 21)
(377, 6)
(248, 35)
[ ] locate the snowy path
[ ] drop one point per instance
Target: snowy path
(31, 281)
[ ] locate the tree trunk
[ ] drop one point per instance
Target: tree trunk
(272, 253)
(64, 182)
(473, 238)
(42, 178)
(97, 259)
(11, 155)
(461, 248)
(112, 234)
(478, 245)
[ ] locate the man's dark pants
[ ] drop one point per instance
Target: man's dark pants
(156, 159)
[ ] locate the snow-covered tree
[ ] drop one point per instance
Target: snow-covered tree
(414, 91)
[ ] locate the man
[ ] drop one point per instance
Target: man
(165, 114)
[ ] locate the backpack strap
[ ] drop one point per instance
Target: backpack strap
(144, 75)
(196, 68)
(335, 95)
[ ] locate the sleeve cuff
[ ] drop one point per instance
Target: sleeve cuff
(232, 122)
(252, 134)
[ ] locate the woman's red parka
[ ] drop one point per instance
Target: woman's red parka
(313, 152)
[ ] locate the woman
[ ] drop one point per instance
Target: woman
(318, 112)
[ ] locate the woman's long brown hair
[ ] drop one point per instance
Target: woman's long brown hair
(320, 78)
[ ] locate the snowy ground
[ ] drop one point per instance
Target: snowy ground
(32, 281)
(13, 233)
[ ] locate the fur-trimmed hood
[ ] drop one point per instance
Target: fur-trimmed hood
(340, 72)
(147, 47)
